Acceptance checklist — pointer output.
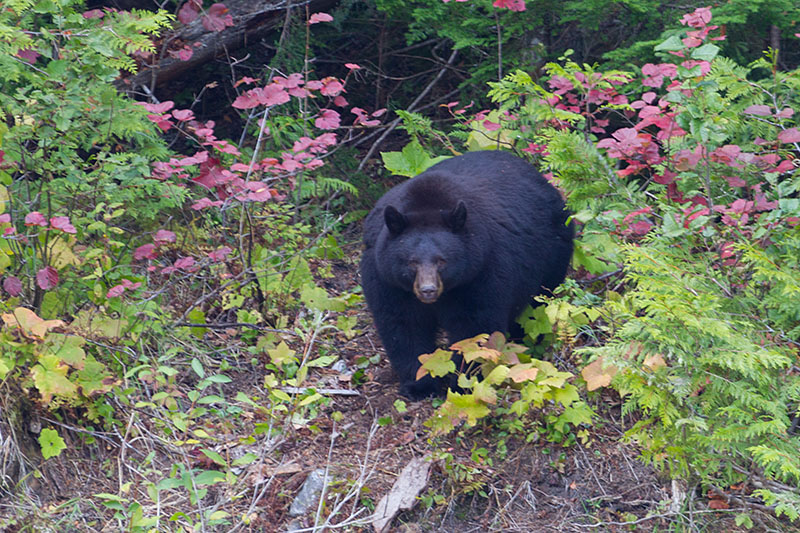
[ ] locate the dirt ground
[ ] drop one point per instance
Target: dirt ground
(518, 487)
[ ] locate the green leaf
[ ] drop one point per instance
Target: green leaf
(411, 161)
(438, 364)
(282, 354)
(671, 227)
(484, 392)
(57, 68)
(197, 366)
(707, 52)
(744, 520)
(673, 44)
(50, 379)
(197, 316)
(51, 443)
(214, 456)
(497, 375)
(94, 378)
(321, 362)
(65, 347)
(246, 459)
(209, 477)
(467, 405)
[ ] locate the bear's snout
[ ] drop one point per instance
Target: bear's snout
(428, 284)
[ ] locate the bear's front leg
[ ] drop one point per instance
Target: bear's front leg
(408, 331)
(407, 328)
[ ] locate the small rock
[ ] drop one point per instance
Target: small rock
(308, 497)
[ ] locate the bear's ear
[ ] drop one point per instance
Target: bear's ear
(457, 217)
(395, 220)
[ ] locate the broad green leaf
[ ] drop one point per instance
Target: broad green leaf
(411, 161)
(321, 362)
(50, 379)
(209, 477)
(197, 367)
(51, 443)
(673, 44)
(468, 406)
(438, 364)
(567, 395)
(484, 392)
(246, 459)
(706, 52)
(497, 375)
(68, 348)
(214, 456)
(282, 354)
(94, 377)
(197, 316)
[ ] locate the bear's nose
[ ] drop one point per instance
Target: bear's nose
(428, 294)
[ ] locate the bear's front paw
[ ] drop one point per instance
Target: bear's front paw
(422, 388)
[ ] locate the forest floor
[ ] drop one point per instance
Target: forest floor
(474, 483)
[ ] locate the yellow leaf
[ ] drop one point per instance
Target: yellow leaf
(484, 392)
(50, 378)
(30, 322)
(60, 253)
(655, 361)
(596, 376)
(523, 372)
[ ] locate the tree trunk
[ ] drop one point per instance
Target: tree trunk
(252, 20)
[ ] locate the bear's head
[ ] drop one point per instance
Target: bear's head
(427, 252)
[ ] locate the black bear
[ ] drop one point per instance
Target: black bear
(463, 247)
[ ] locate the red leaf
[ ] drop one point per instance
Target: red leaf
(5, 218)
(146, 251)
(247, 100)
(115, 291)
(513, 5)
(203, 203)
(217, 18)
(220, 253)
(328, 120)
(47, 278)
(162, 107)
(698, 18)
(12, 285)
(184, 54)
(258, 191)
(93, 14)
(63, 224)
(332, 87)
(320, 17)
(735, 181)
(792, 135)
(28, 55)
(184, 262)
(188, 12)
(758, 110)
(35, 218)
(183, 114)
(246, 79)
(163, 236)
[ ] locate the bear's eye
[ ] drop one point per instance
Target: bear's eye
(440, 263)
(413, 264)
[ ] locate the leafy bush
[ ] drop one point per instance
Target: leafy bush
(698, 201)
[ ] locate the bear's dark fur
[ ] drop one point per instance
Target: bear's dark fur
(463, 247)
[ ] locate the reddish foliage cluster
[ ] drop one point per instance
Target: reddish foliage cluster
(643, 147)
(257, 180)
